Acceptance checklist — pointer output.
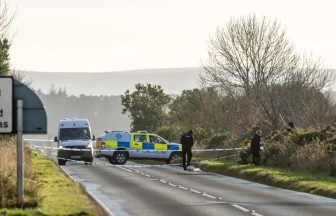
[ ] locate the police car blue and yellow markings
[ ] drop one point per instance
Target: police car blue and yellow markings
(139, 142)
(175, 146)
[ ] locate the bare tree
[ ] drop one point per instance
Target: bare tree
(252, 55)
(6, 18)
(5, 21)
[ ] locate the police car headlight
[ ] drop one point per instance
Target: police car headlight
(89, 146)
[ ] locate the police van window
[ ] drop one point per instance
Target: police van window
(140, 138)
(74, 133)
(156, 139)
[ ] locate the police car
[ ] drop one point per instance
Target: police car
(119, 146)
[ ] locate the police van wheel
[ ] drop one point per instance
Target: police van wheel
(120, 157)
(88, 161)
(61, 162)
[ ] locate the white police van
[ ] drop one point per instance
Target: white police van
(74, 134)
(118, 146)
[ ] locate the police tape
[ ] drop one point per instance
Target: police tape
(222, 149)
(129, 150)
(112, 165)
(38, 140)
(136, 150)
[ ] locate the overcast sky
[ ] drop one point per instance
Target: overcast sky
(110, 35)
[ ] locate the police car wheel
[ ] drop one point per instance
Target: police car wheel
(173, 156)
(120, 157)
(111, 160)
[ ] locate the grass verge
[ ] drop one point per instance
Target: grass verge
(58, 194)
(319, 184)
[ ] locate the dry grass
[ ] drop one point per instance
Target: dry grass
(8, 176)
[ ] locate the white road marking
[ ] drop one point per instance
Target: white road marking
(163, 181)
(235, 205)
(209, 196)
(240, 208)
(171, 184)
(184, 188)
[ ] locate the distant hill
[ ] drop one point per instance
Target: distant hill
(104, 112)
(173, 80)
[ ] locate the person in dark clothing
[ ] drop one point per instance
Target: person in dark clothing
(187, 141)
(255, 147)
(291, 127)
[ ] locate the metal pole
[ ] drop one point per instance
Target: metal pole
(19, 152)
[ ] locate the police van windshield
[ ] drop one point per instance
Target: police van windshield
(74, 133)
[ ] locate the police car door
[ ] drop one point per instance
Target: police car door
(160, 146)
(137, 144)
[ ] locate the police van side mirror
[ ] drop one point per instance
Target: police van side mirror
(93, 137)
(55, 139)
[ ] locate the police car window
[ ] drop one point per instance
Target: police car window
(140, 138)
(156, 139)
(152, 139)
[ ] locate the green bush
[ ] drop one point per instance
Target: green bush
(217, 140)
(172, 132)
(276, 155)
(310, 151)
(305, 138)
(245, 156)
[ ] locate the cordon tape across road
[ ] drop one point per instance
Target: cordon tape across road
(106, 150)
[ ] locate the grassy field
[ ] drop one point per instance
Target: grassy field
(58, 194)
(319, 184)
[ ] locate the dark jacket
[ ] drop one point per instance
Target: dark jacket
(187, 140)
(255, 144)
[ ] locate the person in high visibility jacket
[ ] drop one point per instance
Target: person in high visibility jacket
(187, 141)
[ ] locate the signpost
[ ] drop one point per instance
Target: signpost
(27, 117)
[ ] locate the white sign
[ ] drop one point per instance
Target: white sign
(6, 105)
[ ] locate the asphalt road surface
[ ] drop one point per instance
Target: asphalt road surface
(168, 190)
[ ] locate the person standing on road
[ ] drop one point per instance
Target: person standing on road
(255, 147)
(187, 141)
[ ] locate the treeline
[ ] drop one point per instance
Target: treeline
(252, 79)
(104, 112)
(218, 119)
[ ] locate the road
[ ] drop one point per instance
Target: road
(168, 190)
